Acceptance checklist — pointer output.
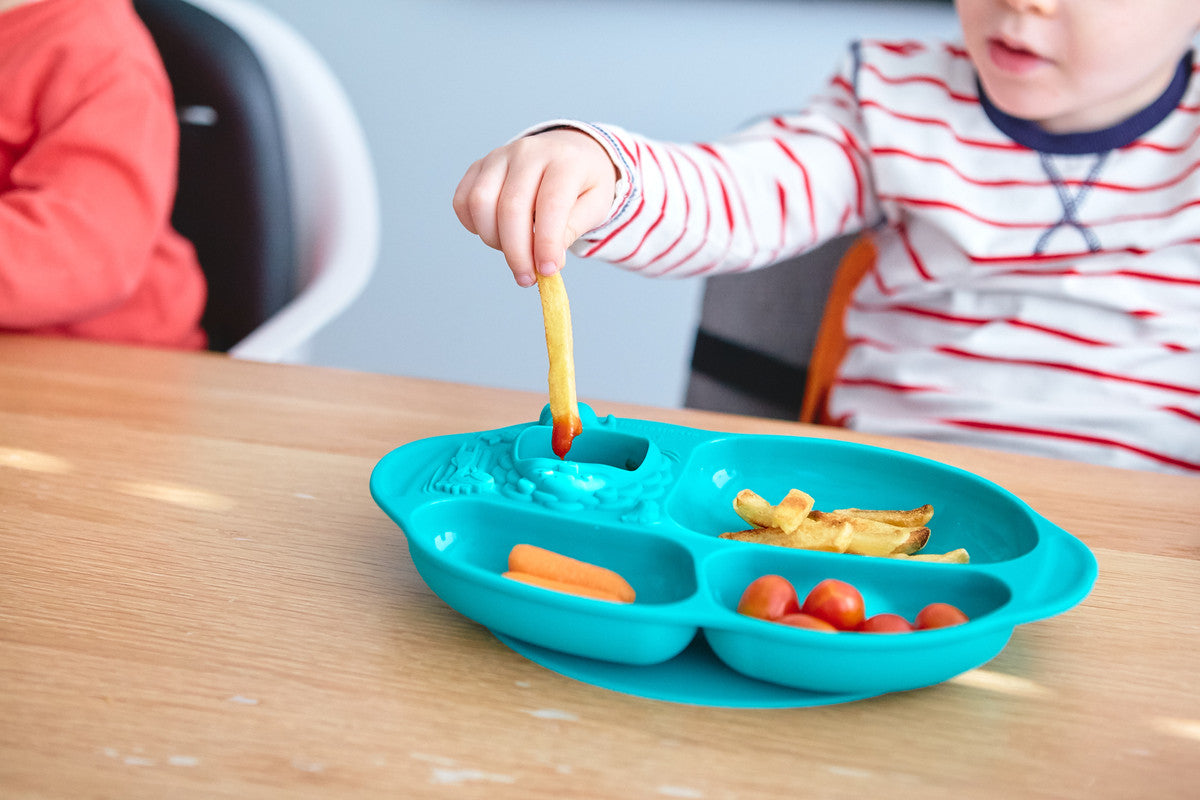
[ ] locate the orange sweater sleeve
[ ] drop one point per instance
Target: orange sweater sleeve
(88, 148)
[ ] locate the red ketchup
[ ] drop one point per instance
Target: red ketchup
(564, 432)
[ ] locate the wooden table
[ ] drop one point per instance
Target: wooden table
(199, 598)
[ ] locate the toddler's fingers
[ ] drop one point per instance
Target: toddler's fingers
(590, 212)
(462, 207)
(514, 220)
(478, 195)
(569, 204)
(557, 197)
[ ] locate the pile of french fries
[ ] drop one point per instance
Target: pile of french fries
(793, 522)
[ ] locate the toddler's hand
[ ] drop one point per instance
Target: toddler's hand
(532, 198)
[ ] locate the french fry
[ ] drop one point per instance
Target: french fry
(957, 556)
(832, 535)
(787, 516)
(811, 535)
(912, 518)
(873, 538)
(898, 533)
(792, 511)
(564, 408)
(754, 509)
(761, 536)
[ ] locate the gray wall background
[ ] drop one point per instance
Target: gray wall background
(438, 83)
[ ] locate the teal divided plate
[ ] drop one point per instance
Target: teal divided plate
(649, 500)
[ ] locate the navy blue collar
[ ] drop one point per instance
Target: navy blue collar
(1031, 135)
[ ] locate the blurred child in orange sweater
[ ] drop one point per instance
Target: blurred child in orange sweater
(88, 164)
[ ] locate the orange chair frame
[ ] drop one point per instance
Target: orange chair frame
(830, 347)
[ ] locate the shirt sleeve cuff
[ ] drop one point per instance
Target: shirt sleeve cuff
(608, 138)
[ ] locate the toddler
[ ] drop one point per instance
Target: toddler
(1033, 195)
(88, 149)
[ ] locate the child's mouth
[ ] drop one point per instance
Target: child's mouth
(1013, 58)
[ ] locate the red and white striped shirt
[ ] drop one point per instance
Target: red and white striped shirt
(1034, 292)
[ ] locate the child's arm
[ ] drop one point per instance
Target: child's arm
(88, 199)
(775, 189)
(533, 197)
(771, 191)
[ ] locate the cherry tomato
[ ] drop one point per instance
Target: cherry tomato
(836, 602)
(939, 615)
(801, 620)
(769, 597)
(886, 623)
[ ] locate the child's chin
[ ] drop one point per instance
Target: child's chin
(1021, 103)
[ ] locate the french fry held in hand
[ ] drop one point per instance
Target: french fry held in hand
(564, 408)
(873, 532)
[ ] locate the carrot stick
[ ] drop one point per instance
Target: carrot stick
(559, 586)
(532, 560)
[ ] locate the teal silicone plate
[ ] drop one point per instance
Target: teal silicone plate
(649, 500)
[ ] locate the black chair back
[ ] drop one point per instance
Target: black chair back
(756, 335)
(233, 200)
